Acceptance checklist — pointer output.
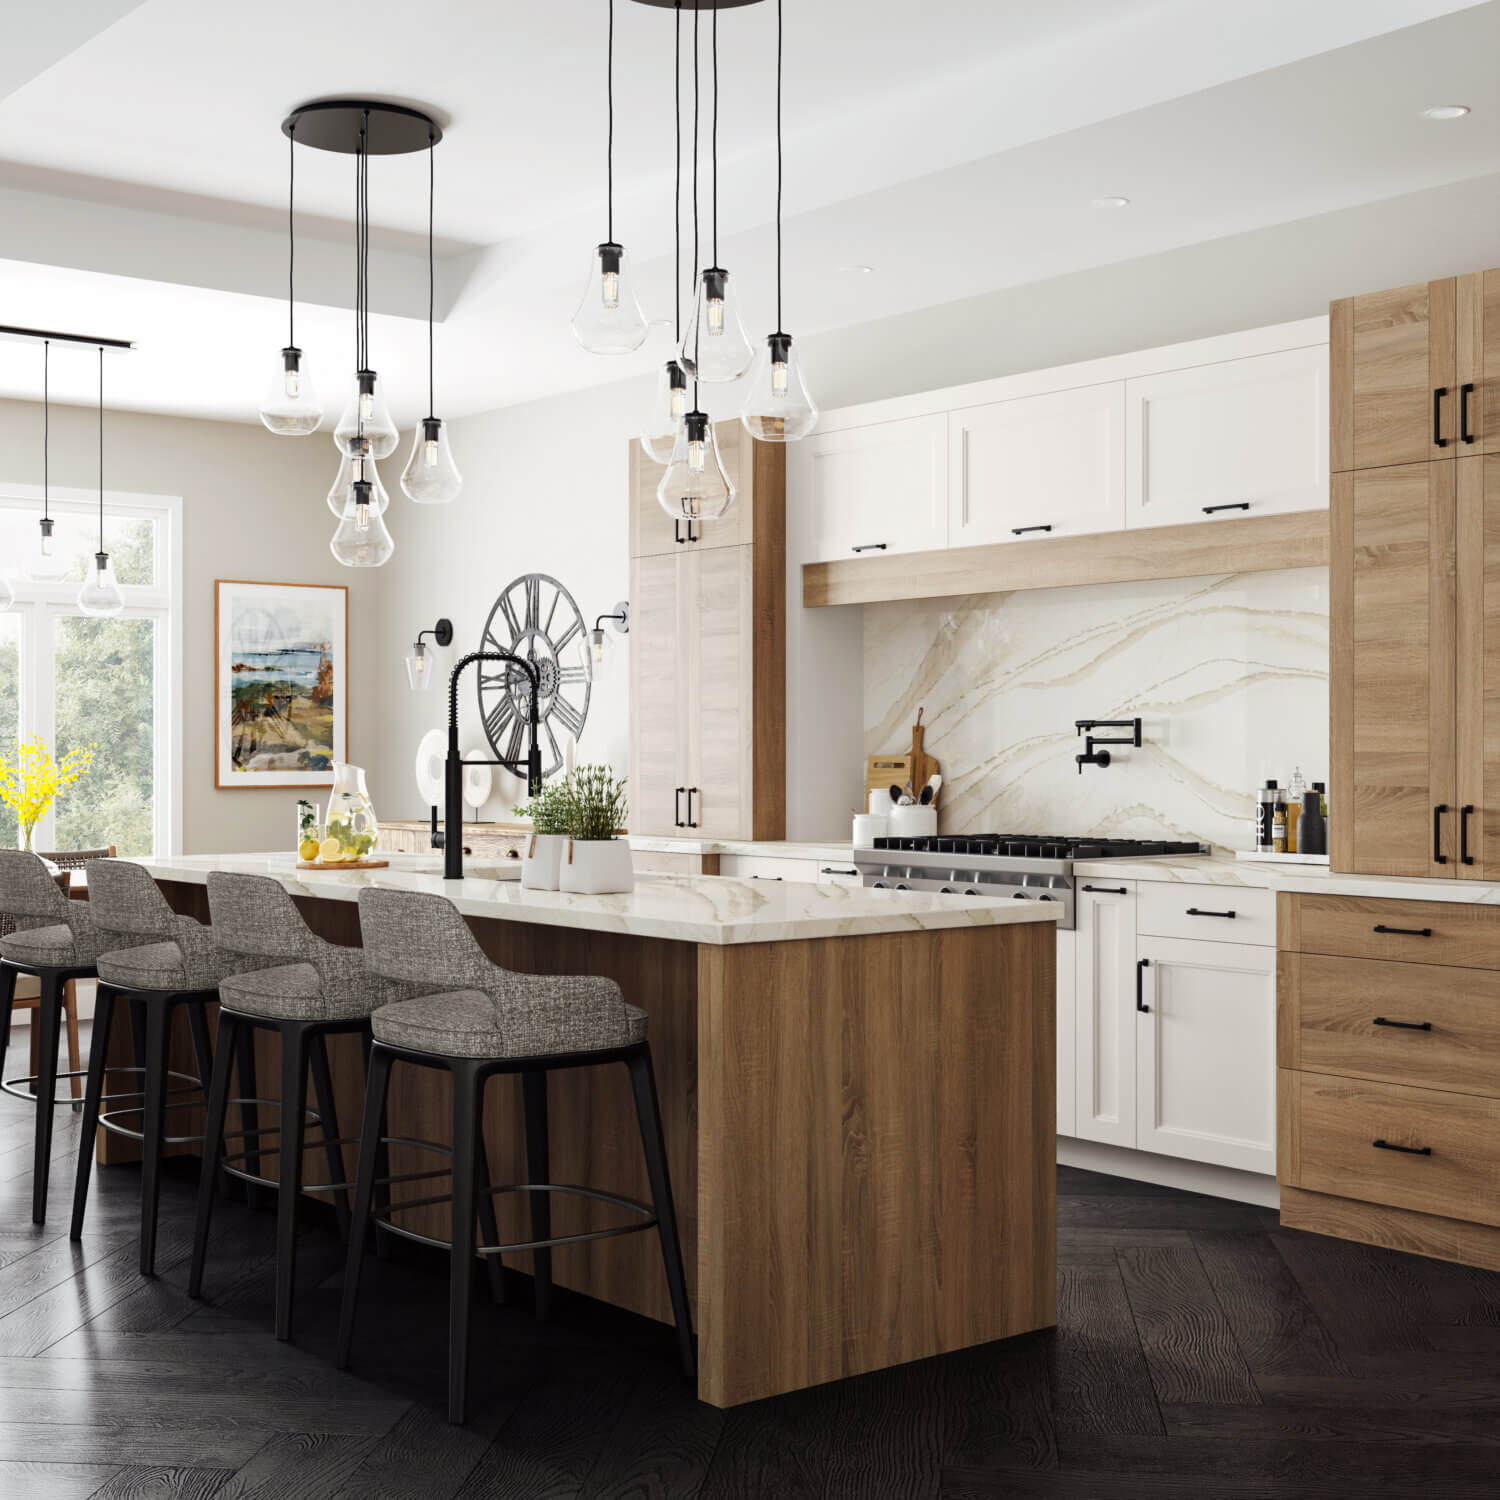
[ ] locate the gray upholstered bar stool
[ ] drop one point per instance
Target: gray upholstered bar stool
(155, 961)
(471, 1018)
(304, 989)
(55, 941)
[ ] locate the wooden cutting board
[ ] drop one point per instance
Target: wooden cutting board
(917, 767)
(347, 864)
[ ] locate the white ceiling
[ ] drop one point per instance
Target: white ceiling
(955, 147)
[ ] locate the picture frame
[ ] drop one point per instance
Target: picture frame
(281, 682)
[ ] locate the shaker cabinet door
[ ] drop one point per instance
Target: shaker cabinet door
(1478, 650)
(1104, 1012)
(1478, 372)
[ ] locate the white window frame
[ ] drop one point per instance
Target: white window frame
(40, 605)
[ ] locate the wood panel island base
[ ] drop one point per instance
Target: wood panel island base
(857, 1095)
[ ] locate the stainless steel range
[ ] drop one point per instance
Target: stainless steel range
(1008, 866)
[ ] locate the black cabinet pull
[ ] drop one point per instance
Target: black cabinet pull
(1403, 1025)
(1108, 890)
(1438, 857)
(869, 547)
(1022, 530)
(1464, 392)
(768, 877)
(1208, 510)
(677, 807)
(1141, 965)
(1464, 857)
(677, 532)
(690, 792)
(1403, 931)
(1438, 440)
(1193, 911)
(1381, 1145)
(829, 870)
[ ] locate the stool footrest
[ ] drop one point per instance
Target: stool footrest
(271, 1182)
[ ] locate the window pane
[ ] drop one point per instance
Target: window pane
(130, 541)
(10, 708)
(105, 696)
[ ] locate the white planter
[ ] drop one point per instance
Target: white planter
(541, 861)
(595, 867)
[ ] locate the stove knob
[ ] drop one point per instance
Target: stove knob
(973, 890)
(1045, 897)
(902, 886)
(878, 885)
(947, 890)
(1018, 896)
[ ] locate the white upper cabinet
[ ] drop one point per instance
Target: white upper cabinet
(1038, 466)
(1242, 437)
(873, 491)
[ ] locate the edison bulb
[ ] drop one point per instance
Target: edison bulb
(715, 347)
(778, 407)
(44, 563)
(362, 540)
(291, 407)
(100, 594)
(696, 486)
(430, 476)
(609, 319)
(367, 415)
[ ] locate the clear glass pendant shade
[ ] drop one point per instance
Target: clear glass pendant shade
(715, 347)
(421, 667)
(362, 540)
(609, 320)
(291, 407)
(696, 486)
(353, 468)
(45, 562)
(664, 422)
(430, 476)
(778, 408)
(100, 594)
(366, 412)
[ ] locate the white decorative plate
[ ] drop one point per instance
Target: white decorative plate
(431, 754)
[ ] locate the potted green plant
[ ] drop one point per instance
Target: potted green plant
(597, 860)
(547, 813)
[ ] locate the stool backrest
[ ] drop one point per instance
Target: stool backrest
(420, 939)
(75, 859)
(253, 914)
(126, 900)
(29, 895)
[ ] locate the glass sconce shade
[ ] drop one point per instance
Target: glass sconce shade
(291, 407)
(365, 413)
(45, 562)
(778, 408)
(421, 667)
(353, 467)
(430, 476)
(696, 486)
(715, 347)
(100, 594)
(362, 540)
(664, 422)
(596, 643)
(609, 319)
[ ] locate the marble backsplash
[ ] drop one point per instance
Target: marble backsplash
(1229, 676)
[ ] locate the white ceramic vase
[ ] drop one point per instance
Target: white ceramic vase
(596, 867)
(542, 859)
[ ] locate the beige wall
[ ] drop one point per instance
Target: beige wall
(252, 507)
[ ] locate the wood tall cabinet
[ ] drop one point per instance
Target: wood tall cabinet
(1414, 667)
(708, 653)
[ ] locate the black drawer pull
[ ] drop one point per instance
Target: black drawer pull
(1022, 530)
(1403, 1025)
(1464, 814)
(768, 877)
(1403, 931)
(1438, 857)
(1405, 1150)
(1438, 440)
(1108, 890)
(1464, 392)
(1141, 965)
(829, 870)
(869, 547)
(1193, 911)
(1208, 510)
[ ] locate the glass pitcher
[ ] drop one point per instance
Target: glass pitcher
(351, 817)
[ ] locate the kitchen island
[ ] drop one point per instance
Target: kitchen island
(857, 1092)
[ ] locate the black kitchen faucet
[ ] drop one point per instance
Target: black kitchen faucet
(1100, 758)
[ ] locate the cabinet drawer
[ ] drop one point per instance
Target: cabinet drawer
(1213, 913)
(1451, 1164)
(1432, 932)
(1417, 1024)
(839, 873)
(759, 867)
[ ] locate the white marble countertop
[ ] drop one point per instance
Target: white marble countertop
(778, 849)
(689, 908)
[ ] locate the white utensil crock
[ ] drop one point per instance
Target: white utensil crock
(913, 822)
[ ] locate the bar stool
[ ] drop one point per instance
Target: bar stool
(54, 941)
(155, 961)
(473, 1019)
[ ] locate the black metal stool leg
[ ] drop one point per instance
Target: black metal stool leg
(538, 1170)
(489, 1225)
(7, 1001)
(244, 1055)
(466, 1095)
(648, 1112)
(202, 1050)
(213, 1145)
(317, 1058)
(382, 1200)
(377, 1081)
(104, 1007)
(289, 1170)
(138, 1046)
(49, 1018)
(153, 1125)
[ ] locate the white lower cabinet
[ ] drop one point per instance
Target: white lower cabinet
(1104, 1007)
(768, 867)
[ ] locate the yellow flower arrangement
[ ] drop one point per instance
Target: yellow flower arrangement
(34, 781)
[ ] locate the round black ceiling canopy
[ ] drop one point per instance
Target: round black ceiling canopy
(334, 125)
(698, 4)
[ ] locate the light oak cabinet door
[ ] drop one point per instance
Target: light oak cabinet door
(1478, 363)
(1394, 389)
(1392, 671)
(1478, 667)
(654, 533)
(1037, 466)
(1104, 1010)
(658, 684)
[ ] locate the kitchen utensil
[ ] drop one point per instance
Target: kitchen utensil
(895, 794)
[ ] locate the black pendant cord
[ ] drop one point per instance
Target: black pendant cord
(609, 150)
(101, 450)
(713, 136)
(677, 177)
(697, 319)
(359, 272)
(46, 429)
(291, 239)
(779, 324)
(431, 275)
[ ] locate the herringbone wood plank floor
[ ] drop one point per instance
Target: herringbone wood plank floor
(1201, 1352)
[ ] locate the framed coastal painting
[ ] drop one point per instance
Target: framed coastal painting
(281, 682)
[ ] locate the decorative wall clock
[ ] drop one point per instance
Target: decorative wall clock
(535, 618)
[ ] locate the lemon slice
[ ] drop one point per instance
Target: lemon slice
(331, 852)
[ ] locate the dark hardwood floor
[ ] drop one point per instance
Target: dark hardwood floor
(1201, 1352)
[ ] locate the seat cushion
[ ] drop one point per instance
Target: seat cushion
(150, 966)
(45, 947)
(288, 992)
(467, 1023)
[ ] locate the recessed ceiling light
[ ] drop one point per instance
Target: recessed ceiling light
(1111, 202)
(1446, 112)
(857, 270)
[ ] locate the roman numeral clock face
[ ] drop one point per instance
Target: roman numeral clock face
(535, 618)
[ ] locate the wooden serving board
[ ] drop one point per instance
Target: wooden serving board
(346, 864)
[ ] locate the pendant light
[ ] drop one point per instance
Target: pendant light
(357, 464)
(779, 407)
(362, 539)
(44, 563)
(717, 348)
(609, 319)
(664, 421)
(100, 594)
(430, 476)
(291, 407)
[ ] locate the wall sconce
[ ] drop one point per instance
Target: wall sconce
(421, 667)
(621, 625)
